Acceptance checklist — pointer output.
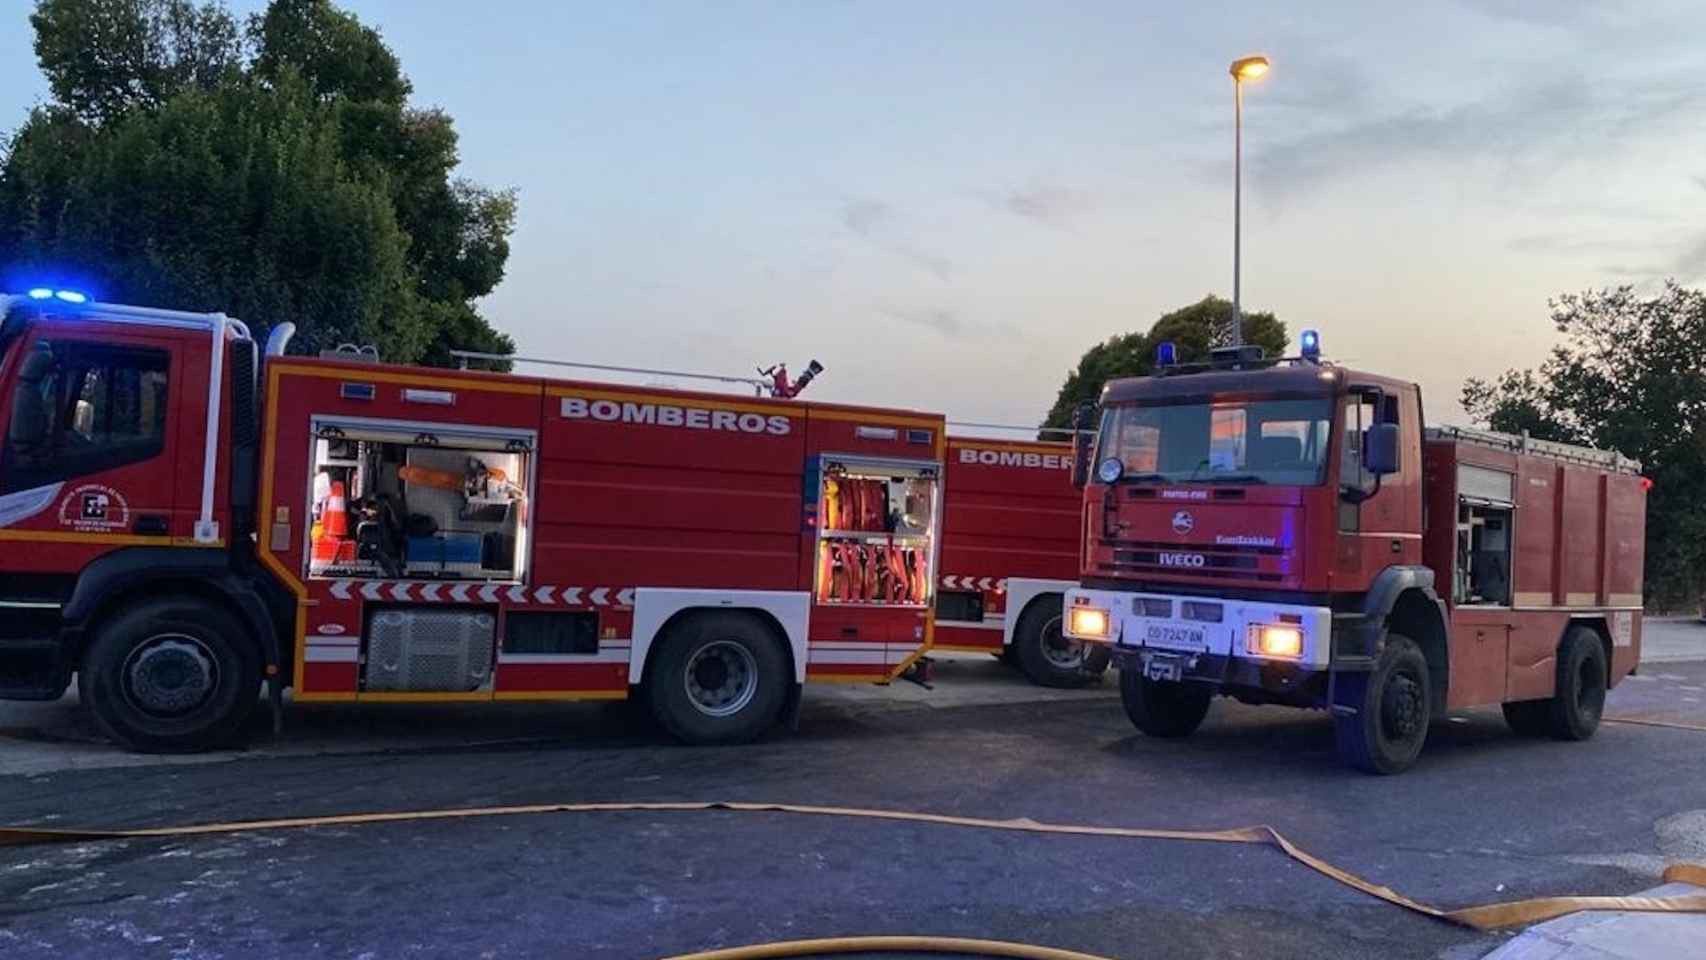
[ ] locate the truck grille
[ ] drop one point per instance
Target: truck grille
(1224, 561)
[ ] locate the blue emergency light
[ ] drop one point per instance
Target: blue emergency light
(1166, 354)
(1311, 345)
(49, 293)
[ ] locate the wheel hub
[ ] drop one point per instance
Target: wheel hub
(1401, 707)
(170, 675)
(1058, 649)
(721, 678)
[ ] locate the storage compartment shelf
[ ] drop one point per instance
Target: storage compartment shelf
(861, 536)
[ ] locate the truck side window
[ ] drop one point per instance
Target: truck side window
(81, 408)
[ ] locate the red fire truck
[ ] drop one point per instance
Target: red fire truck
(1288, 532)
(186, 523)
(1009, 554)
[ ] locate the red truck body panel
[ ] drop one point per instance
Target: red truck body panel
(1010, 513)
(722, 500)
(1578, 534)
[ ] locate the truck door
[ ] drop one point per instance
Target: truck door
(1379, 522)
(89, 455)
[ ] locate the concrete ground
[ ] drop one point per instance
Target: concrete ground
(1485, 816)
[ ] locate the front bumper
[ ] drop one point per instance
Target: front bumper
(1137, 623)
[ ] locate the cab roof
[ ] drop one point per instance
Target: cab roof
(1272, 379)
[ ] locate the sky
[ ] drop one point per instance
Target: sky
(946, 203)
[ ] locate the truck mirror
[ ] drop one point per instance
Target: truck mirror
(1083, 443)
(1380, 449)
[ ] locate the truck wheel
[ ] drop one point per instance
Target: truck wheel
(1047, 656)
(1162, 708)
(1528, 718)
(1579, 698)
(717, 678)
(174, 674)
(1392, 710)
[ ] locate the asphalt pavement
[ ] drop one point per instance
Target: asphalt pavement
(1485, 816)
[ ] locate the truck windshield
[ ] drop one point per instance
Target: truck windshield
(1214, 441)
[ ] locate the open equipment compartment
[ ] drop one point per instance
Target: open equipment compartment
(393, 500)
(877, 532)
(1486, 509)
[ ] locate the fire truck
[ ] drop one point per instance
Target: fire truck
(1288, 532)
(1009, 554)
(189, 515)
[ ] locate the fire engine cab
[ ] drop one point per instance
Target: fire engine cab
(1288, 532)
(185, 522)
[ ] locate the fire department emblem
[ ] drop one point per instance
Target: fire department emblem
(94, 507)
(1183, 522)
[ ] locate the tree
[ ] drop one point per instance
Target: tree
(294, 185)
(1629, 376)
(102, 59)
(1194, 330)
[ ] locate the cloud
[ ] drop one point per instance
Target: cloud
(1544, 124)
(946, 322)
(1550, 244)
(876, 223)
(1690, 265)
(1046, 204)
(1700, 180)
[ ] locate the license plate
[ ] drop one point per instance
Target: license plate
(1175, 636)
(1163, 667)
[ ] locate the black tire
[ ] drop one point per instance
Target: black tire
(1579, 698)
(171, 675)
(1162, 708)
(1393, 707)
(1045, 654)
(718, 678)
(1528, 718)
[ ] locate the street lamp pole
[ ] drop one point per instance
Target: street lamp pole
(1247, 68)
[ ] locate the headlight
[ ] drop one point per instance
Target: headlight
(1088, 622)
(1276, 640)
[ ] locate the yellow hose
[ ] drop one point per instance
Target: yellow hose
(1488, 917)
(961, 946)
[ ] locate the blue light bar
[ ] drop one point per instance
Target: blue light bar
(71, 296)
(1166, 354)
(41, 293)
(1311, 345)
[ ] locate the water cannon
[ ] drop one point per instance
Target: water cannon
(779, 384)
(1310, 346)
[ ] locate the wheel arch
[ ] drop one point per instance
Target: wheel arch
(120, 579)
(656, 610)
(1402, 600)
(1022, 593)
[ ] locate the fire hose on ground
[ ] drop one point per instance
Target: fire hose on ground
(1486, 917)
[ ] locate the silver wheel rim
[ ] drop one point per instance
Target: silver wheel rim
(721, 678)
(169, 675)
(1058, 650)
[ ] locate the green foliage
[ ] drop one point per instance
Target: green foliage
(1630, 376)
(298, 187)
(1194, 330)
(104, 58)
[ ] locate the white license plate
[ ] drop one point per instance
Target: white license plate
(1174, 636)
(1161, 666)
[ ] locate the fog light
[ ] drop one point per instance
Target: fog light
(1276, 640)
(1088, 622)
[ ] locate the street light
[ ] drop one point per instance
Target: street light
(1244, 68)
